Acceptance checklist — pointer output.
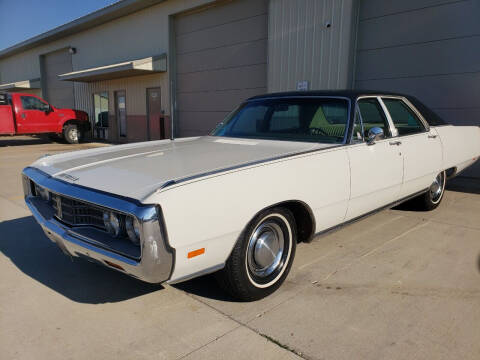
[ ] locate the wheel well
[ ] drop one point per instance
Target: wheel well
(451, 172)
(304, 218)
(71, 122)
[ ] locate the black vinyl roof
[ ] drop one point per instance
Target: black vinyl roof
(348, 93)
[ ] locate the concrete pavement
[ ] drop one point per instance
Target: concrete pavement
(399, 284)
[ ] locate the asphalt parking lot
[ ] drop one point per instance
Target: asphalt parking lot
(398, 285)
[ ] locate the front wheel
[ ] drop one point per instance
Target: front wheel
(262, 256)
(432, 198)
(72, 134)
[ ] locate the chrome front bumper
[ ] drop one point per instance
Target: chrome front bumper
(156, 262)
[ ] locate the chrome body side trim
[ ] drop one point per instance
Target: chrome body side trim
(157, 258)
(373, 212)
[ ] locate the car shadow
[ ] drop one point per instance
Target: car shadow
(25, 244)
(205, 287)
(24, 140)
(464, 184)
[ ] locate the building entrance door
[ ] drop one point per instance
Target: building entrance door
(155, 119)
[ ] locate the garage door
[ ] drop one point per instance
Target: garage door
(58, 93)
(221, 59)
(426, 48)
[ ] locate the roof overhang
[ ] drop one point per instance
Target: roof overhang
(99, 17)
(21, 85)
(143, 66)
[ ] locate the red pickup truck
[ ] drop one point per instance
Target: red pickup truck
(30, 114)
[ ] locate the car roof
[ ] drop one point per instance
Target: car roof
(348, 93)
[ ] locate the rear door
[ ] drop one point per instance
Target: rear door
(421, 148)
(32, 116)
(377, 169)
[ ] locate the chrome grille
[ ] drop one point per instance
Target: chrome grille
(75, 213)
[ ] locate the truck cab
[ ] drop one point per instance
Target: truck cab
(22, 113)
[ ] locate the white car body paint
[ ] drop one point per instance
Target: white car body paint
(209, 188)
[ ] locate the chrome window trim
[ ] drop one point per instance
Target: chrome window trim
(156, 262)
(392, 129)
(426, 126)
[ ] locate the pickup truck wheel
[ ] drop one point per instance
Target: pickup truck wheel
(72, 134)
(432, 198)
(262, 257)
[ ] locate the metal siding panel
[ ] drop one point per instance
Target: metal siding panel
(444, 91)
(460, 116)
(220, 61)
(237, 55)
(244, 77)
(302, 48)
(59, 93)
(243, 31)
(376, 8)
(433, 58)
(236, 11)
(454, 20)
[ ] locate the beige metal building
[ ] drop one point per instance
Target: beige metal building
(143, 67)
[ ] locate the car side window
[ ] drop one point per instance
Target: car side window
(404, 119)
(32, 103)
(373, 116)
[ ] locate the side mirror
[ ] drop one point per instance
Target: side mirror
(375, 134)
(48, 109)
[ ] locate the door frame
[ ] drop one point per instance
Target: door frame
(115, 104)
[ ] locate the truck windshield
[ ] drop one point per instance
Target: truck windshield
(290, 119)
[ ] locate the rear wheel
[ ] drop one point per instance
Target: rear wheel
(432, 198)
(72, 134)
(262, 257)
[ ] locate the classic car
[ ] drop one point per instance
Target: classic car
(279, 169)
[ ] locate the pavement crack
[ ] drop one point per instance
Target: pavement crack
(240, 323)
(209, 342)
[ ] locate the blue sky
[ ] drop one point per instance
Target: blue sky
(38, 16)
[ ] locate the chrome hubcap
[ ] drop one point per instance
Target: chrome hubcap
(265, 249)
(436, 189)
(74, 134)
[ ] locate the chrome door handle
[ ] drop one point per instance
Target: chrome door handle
(432, 136)
(23, 115)
(398, 143)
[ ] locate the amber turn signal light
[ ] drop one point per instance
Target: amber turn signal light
(197, 252)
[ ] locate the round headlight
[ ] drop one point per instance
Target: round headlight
(112, 223)
(133, 229)
(44, 193)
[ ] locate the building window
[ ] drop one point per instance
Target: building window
(100, 101)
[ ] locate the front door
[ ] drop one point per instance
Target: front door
(376, 170)
(121, 113)
(155, 119)
(34, 116)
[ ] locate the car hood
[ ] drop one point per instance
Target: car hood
(137, 170)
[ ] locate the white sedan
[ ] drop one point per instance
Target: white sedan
(278, 170)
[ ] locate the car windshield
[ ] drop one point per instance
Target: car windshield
(290, 119)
